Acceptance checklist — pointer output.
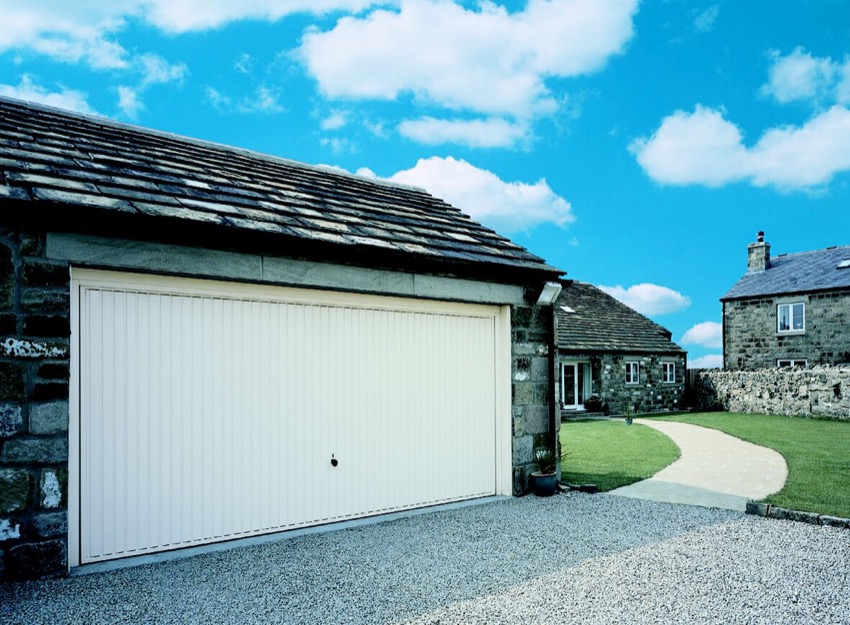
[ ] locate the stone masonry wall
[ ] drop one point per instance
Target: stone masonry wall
(34, 372)
(530, 376)
(819, 392)
(652, 394)
(751, 341)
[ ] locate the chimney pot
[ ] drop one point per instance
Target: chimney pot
(758, 254)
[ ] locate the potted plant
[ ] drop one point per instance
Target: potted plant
(593, 404)
(628, 414)
(545, 479)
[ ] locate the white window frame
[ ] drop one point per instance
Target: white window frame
(632, 372)
(668, 370)
(791, 362)
(789, 307)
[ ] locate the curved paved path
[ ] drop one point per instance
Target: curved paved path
(715, 470)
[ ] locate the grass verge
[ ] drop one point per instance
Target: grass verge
(817, 454)
(612, 454)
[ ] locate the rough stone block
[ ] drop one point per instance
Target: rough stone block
(48, 391)
(49, 418)
(35, 450)
(15, 490)
(8, 323)
(11, 381)
(37, 560)
(523, 393)
(41, 273)
(45, 300)
(7, 277)
(9, 530)
(757, 509)
(11, 420)
(540, 369)
(50, 525)
(53, 485)
(54, 371)
(834, 521)
(523, 447)
(537, 420)
(58, 326)
(25, 348)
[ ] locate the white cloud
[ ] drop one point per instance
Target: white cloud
(156, 70)
(478, 133)
(707, 334)
(504, 206)
(486, 61)
(699, 147)
(85, 30)
(704, 22)
(263, 100)
(129, 101)
(187, 15)
(703, 148)
(67, 99)
(709, 361)
(649, 299)
(800, 76)
(334, 121)
(244, 64)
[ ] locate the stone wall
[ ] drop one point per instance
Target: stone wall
(819, 392)
(652, 394)
(34, 372)
(531, 389)
(752, 342)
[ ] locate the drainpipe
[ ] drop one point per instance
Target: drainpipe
(553, 399)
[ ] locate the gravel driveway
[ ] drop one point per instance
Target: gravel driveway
(568, 559)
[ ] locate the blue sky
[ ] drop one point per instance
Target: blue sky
(637, 146)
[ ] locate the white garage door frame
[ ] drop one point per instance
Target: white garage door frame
(97, 279)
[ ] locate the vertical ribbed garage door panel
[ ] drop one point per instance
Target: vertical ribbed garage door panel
(205, 416)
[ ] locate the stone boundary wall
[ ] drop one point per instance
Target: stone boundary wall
(820, 392)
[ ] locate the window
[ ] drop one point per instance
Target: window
(791, 362)
(632, 373)
(791, 317)
(669, 372)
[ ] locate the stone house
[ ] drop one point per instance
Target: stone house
(788, 310)
(608, 350)
(200, 343)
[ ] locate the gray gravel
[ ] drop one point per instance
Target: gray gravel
(568, 559)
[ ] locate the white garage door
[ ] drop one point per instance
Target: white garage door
(210, 411)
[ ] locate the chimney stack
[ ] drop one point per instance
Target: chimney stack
(758, 254)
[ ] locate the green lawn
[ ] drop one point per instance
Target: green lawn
(817, 454)
(612, 454)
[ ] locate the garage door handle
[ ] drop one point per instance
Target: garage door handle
(334, 461)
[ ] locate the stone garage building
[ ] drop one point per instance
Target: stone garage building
(200, 343)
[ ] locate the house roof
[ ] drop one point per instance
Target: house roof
(600, 323)
(796, 273)
(72, 169)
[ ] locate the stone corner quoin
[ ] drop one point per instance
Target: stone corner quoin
(34, 373)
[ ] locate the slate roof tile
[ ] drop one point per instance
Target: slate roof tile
(601, 323)
(48, 155)
(795, 273)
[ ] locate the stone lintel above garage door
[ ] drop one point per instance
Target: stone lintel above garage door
(102, 252)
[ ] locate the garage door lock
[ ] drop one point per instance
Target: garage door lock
(334, 461)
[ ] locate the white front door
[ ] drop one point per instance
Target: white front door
(575, 384)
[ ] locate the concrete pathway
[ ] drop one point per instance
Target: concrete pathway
(715, 470)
